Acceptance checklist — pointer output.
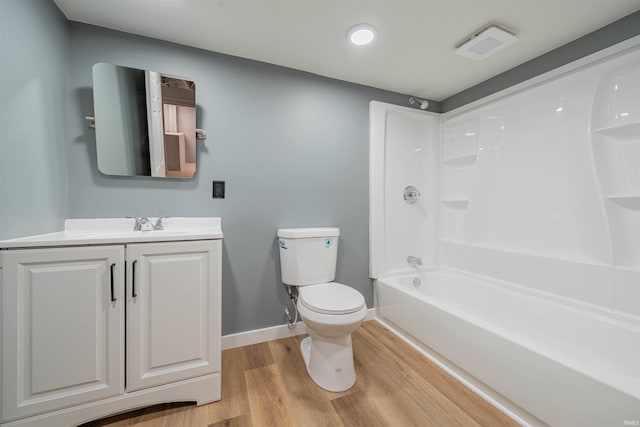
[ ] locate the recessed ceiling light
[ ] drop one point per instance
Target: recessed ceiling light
(485, 42)
(361, 34)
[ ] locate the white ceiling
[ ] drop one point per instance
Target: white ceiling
(413, 53)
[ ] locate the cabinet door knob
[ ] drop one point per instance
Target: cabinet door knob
(133, 279)
(113, 297)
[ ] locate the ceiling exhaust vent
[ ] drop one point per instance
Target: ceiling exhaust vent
(485, 42)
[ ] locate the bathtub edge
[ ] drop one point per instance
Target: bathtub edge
(503, 404)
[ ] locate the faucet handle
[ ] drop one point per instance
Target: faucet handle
(159, 224)
(141, 222)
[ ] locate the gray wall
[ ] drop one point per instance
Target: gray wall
(291, 146)
(34, 61)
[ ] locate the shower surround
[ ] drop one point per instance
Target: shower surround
(533, 193)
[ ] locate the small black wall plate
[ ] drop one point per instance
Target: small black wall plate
(218, 189)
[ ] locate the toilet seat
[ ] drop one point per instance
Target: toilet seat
(331, 298)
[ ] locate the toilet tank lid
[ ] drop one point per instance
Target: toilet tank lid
(303, 233)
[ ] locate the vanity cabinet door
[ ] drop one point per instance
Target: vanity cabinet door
(62, 327)
(173, 314)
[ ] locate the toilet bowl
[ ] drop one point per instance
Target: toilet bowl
(327, 351)
(331, 311)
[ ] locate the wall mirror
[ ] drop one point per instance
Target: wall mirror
(145, 122)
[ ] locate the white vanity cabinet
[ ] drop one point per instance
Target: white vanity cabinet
(62, 328)
(93, 330)
(169, 318)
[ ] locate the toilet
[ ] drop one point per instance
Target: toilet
(330, 311)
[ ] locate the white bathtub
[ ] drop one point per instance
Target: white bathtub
(565, 365)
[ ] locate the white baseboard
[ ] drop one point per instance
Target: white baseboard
(269, 334)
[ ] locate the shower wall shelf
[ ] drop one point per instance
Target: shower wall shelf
(615, 144)
(456, 182)
(459, 156)
(626, 201)
(624, 196)
(630, 270)
(629, 132)
(460, 142)
(461, 161)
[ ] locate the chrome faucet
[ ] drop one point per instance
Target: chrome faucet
(414, 261)
(142, 224)
(145, 224)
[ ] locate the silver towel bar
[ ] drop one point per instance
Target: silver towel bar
(201, 134)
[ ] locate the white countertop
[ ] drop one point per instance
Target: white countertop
(120, 230)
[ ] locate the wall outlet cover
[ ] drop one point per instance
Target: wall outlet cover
(218, 189)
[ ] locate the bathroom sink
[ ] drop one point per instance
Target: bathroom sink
(123, 228)
(130, 234)
(120, 230)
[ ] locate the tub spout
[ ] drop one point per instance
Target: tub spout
(414, 261)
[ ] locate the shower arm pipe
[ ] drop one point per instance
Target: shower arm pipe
(422, 103)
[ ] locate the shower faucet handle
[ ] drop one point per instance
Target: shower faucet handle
(411, 194)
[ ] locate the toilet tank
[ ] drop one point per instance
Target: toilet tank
(308, 255)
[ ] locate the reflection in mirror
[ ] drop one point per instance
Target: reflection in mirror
(145, 122)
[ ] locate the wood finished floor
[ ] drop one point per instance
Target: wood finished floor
(267, 385)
